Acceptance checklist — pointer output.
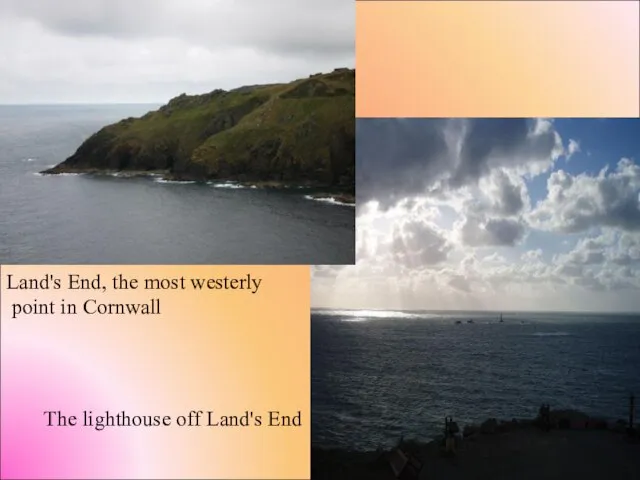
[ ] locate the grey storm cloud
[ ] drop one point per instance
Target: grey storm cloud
(315, 27)
(492, 232)
(148, 51)
(504, 232)
(507, 142)
(398, 158)
(416, 244)
(509, 200)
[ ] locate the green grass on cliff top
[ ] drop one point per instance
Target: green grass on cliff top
(293, 122)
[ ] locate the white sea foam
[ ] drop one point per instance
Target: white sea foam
(330, 200)
(129, 175)
(66, 174)
(551, 334)
(177, 182)
(228, 185)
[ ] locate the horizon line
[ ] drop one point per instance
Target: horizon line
(591, 312)
(61, 104)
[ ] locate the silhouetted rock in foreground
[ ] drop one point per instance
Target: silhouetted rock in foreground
(587, 449)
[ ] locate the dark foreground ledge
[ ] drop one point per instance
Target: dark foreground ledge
(576, 446)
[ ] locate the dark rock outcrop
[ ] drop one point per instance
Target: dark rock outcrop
(489, 426)
(297, 133)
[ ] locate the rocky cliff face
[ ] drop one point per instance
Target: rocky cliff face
(302, 132)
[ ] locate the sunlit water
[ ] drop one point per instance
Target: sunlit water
(97, 219)
(377, 376)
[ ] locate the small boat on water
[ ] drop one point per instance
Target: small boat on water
(458, 322)
(470, 320)
(501, 320)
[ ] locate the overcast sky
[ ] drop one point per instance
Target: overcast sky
(111, 51)
(493, 214)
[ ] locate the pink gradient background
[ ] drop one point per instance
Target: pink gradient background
(30, 450)
(226, 352)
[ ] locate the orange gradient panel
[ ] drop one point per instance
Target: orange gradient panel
(498, 58)
(229, 352)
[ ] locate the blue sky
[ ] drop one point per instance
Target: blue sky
(602, 141)
(494, 214)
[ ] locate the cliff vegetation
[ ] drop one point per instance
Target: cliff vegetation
(300, 133)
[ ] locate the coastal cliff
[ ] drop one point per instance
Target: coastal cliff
(300, 133)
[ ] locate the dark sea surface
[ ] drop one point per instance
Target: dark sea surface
(377, 376)
(76, 219)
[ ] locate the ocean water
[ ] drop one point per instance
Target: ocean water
(75, 219)
(377, 376)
